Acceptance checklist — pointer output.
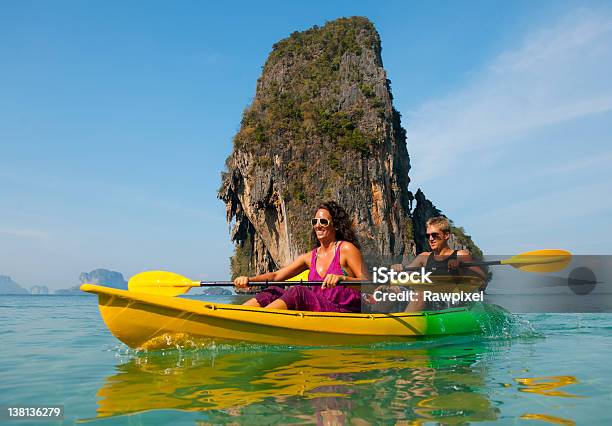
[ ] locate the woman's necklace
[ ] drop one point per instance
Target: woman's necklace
(328, 251)
(320, 269)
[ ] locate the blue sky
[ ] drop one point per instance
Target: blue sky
(116, 119)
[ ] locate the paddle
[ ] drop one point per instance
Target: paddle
(532, 261)
(549, 260)
(170, 284)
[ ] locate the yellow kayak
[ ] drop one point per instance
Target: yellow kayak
(151, 321)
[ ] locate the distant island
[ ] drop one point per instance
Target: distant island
(39, 289)
(69, 291)
(8, 286)
(215, 291)
(99, 276)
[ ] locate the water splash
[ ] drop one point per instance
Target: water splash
(500, 324)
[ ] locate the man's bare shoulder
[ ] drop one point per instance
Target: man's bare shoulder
(421, 259)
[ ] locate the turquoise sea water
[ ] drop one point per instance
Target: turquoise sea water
(537, 369)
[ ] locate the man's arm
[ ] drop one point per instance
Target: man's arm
(464, 257)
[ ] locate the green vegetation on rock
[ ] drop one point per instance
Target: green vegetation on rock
(241, 261)
(466, 241)
(307, 110)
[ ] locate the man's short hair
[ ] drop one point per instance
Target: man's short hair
(440, 222)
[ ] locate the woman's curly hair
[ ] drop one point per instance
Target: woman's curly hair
(341, 223)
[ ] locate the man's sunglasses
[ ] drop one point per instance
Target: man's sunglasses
(320, 221)
(434, 235)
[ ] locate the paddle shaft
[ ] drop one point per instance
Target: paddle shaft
(317, 283)
(461, 265)
(285, 283)
(488, 263)
(466, 265)
(270, 283)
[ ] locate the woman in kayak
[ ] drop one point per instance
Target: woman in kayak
(334, 259)
(441, 257)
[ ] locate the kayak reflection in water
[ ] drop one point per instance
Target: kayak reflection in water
(334, 258)
(441, 259)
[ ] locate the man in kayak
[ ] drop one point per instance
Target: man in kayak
(442, 260)
(335, 258)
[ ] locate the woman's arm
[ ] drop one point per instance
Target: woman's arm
(294, 268)
(353, 260)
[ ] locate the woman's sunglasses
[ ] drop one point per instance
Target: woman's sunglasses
(320, 221)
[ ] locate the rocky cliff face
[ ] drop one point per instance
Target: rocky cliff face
(321, 126)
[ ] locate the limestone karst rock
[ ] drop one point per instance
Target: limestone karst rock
(321, 126)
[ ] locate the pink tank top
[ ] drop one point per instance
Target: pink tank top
(334, 267)
(347, 299)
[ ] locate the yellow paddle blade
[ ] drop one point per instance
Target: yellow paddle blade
(540, 260)
(161, 283)
(300, 277)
